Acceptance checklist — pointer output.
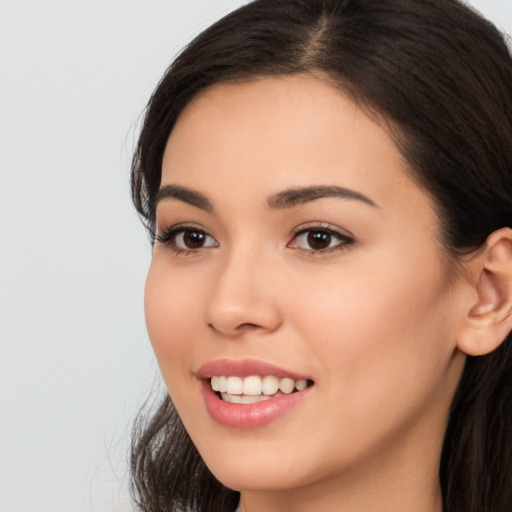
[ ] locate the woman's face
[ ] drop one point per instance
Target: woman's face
(294, 249)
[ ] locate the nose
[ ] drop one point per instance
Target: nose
(243, 297)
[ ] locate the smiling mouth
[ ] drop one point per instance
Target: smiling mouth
(252, 389)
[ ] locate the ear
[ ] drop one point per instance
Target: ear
(488, 321)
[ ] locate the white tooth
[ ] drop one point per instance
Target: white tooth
(253, 399)
(244, 399)
(215, 383)
(223, 384)
(234, 399)
(301, 384)
(234, 385)
(286, 385)
(252, 385)
(270, 385)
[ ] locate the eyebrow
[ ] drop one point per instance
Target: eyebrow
(285, 199)
(295, 196)
(184, 194)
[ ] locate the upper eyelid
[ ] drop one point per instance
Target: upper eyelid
(336, 234)
(321, 225)
(164, 236)
(345, 237)
(181, 225)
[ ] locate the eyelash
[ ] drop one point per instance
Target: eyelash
(324, 229)
(168, 238)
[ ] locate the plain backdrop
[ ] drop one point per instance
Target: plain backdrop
(75, 361)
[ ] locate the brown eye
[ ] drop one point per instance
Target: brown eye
(318, 240)
(191, 239)
(186, 239)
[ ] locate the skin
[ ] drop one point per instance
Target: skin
(374, 322)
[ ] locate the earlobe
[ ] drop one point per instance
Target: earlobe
(489, 319)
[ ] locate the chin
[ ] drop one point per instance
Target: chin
(254, 478)
(258, 467)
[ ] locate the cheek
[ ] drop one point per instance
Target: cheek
(172, 304)
(383, 346)
(171, 316)
(380, 322)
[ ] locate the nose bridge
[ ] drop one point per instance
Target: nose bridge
(242, 295)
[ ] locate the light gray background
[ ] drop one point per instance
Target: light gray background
(75, 362)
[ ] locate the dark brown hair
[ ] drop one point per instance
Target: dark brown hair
(441, 76)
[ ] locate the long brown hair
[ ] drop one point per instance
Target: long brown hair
(441, 76)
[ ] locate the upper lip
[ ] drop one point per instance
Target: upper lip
(245, 368)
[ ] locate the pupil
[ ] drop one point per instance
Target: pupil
(319, 240)
(193, 239)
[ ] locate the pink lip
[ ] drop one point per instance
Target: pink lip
(247, 416)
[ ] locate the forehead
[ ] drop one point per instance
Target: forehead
(298, 130)
(300, 106)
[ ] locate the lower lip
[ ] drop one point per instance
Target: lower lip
(249, 415)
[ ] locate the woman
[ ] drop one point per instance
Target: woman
(328, 185)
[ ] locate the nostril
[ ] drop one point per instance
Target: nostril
(247, 327)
